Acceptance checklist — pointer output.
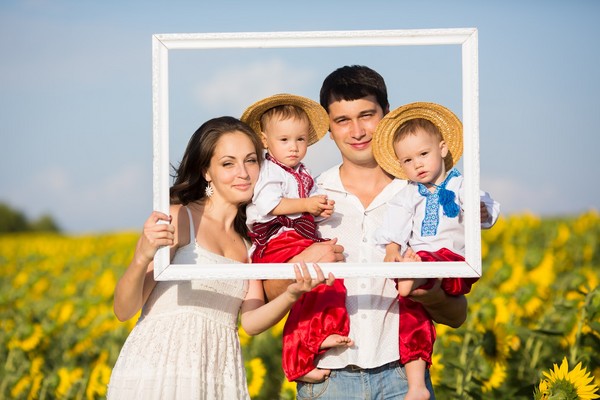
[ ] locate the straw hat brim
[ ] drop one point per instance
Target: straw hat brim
(446, 121)
(319, 120)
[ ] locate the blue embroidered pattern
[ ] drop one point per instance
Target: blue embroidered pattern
(432, 216)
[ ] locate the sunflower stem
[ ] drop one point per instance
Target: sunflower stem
(536, 353)
(580, 322)
(528, 344)
(460, 376)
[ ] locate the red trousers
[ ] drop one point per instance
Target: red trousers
(316, 315)
(417, 332)
(322, 312)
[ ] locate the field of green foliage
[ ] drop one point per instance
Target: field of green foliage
(537, 304)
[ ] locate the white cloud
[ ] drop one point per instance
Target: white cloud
(241, 85)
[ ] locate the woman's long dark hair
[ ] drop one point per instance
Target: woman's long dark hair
(189, 184)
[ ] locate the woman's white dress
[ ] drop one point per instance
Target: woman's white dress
(185, 344)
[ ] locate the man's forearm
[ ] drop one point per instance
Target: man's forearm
(274, 287)
(452, 311)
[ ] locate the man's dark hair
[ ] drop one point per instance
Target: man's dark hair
(353, 82)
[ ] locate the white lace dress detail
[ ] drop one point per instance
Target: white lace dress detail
(185, 344)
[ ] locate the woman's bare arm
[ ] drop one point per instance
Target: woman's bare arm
(137, 282)
(258, 316)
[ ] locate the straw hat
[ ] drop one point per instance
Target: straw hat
(319, 120)
(445, 120)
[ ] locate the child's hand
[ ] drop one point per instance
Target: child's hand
(317, 205)
(392, 253)
(329, 212)
(485, 215)
(392, 257)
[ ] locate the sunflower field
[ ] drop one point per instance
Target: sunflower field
(533, 330)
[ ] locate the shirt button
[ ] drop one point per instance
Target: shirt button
(363, 286)
(364, 260)
(365, 240)
(364, 316)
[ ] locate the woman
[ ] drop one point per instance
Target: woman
(185, 344)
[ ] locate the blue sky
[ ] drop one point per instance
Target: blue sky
(76, 95)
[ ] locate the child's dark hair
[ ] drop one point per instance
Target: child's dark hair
(354, 82)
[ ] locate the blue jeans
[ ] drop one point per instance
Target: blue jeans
(385, 382)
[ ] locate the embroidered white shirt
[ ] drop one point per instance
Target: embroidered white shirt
(371, 302)
(407, 209)
(273, 185)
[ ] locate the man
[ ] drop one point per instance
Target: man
(355, 98)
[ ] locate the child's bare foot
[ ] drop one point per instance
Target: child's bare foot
(405, 286)
(410, 256)
(315, 376)
(336, 340)
(417, 393)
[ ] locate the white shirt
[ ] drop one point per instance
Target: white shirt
(371, 302)
(273, 185)
(406, 211)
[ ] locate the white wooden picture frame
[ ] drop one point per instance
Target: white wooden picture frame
(465, 37)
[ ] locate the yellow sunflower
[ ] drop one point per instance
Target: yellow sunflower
(562, 235)
(277, 329)
(495, 346)
(256, 376)
(288, 389)
(99, 377)
(544, 274)
(67, 379)
(496, 379)
(515, 280)
(496, 343)
(568, 385)
(29, 343)
(245, 339)
(436, 369)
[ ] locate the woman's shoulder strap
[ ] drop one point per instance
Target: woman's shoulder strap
(192, 232)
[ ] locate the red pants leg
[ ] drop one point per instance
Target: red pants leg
(417, 332)
(315, 316)
(452, 286)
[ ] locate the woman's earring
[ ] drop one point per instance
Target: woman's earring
(208, 191)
